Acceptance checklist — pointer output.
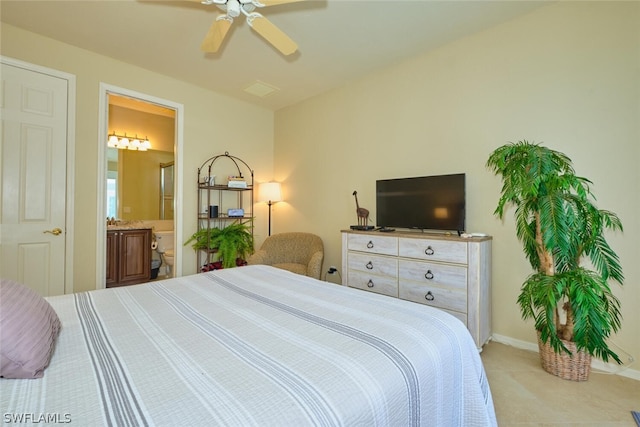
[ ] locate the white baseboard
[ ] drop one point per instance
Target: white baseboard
(597, 364)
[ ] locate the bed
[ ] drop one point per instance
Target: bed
(253, 346)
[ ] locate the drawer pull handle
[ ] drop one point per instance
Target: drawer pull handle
(369, 265)
(370, 284)
(429, 251)
(428, 275)
(429, 296)
(370, 244)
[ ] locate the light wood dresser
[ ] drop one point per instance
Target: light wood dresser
(448, 272)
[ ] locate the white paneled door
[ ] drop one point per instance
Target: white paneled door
(33, 141)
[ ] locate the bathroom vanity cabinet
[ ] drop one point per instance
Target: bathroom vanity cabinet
(128, 256)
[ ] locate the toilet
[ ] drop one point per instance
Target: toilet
(164, 239)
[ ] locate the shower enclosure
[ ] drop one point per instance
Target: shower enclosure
(166, 190)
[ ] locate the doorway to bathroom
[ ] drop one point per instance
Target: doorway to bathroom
(140, 168)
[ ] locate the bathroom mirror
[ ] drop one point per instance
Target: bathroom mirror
(140, 184)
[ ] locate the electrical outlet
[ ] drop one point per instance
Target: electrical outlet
(631, 359)
(332, 270)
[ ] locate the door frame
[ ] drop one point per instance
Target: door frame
(70, 159)
(103, 128)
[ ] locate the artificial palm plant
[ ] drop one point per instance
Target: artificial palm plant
(560, 227)
(230, 243)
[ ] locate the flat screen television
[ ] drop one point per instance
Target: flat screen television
(427, 203)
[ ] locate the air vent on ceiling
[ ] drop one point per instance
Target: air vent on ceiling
(260, 89)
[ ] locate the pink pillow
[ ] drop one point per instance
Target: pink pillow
(29, 327)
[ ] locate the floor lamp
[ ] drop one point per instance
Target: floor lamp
(271, 193)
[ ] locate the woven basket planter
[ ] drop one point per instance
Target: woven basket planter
(575, 366)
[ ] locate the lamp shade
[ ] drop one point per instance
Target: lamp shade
(270, 192)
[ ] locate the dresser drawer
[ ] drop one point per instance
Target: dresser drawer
(460, 316)
(448, 273)
(430, 273)
(384, 245)
(431, 249)
(373, 264)
(384, 285)
(437, 296)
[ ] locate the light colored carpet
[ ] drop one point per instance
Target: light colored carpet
(525, 395)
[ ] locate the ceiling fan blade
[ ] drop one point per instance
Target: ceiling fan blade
(264, 3)
(216, 34)
(272, 34)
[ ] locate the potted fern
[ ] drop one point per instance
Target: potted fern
(232, 244)
(559, 227)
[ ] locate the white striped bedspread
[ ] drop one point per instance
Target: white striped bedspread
(253, 346)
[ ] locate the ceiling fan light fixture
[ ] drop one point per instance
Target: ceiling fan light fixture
(265, 3)
(233, 8)
(217, 33)
(271, 33)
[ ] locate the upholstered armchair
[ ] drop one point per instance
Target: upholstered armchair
(298, 252)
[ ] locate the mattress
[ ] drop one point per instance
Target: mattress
(253, 346)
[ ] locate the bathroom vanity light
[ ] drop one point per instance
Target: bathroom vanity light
(123, 142)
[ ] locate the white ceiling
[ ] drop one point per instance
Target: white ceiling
(339, 40)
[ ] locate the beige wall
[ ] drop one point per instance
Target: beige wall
(566, 75)
(213, 124)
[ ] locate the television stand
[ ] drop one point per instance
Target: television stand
(447, 272)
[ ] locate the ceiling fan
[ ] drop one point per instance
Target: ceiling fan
(233, 8)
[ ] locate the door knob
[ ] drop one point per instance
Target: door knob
(55, 231)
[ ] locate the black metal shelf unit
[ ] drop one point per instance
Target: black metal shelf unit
(214, 190)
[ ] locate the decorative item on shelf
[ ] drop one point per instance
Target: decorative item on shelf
(270, 192)
(124, 142)
(236, 182)
(209, 180)
(363, 216)
(235, 213)
(558, 224)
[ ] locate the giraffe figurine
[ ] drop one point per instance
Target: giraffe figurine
(363, 214)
